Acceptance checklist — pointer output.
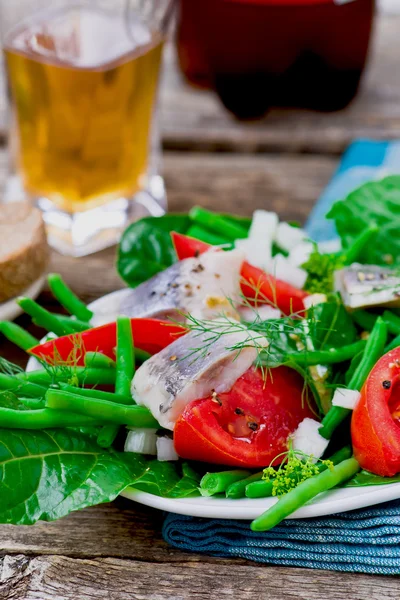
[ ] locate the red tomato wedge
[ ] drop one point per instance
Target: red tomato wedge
(256, 284)
(151, 335)
(248, 426)
(375, 424)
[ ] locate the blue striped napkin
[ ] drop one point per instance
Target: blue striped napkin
(360, 541)
(365, 541)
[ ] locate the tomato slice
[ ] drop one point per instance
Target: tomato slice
(151, 335)
(247, 426)
(257, 286)
(375, 423)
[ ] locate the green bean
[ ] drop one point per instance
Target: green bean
(95, 393)
(238, 488)
(263, 489)
(124, 375)
(68, 299)
(25, 388)
(101, 410)
(82, 375)
(215, 483)
(43, 418)
(364, 319)
(18, 336)
(354, 253)
(259, 489)
(77, 325)
(331, 356)
(392, 322)
(222, 226)
(373, 351)
(97, 360)
(304, 492)
(44, 318)
(125, 357)
(200, 233)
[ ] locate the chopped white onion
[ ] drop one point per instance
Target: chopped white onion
(141, 441)
(288, 237)
(345, 398)
(257, 252)
(263, 312)
(165, 449)
(301, 253)
(282, 269)
(313, 300)
(330, 246)
(307, 439)
(263, 225)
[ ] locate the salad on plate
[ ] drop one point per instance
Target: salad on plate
(244, 360)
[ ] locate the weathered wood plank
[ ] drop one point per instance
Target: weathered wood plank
(194, 119)
(122, 529)
(61, 578)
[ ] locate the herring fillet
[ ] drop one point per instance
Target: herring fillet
(368, 285)
(177, 375)
(187, 287)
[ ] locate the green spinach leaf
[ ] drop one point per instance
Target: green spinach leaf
(364, 478)
(168, 480)
(331, 326)
(45, 475)
(146, 247)
(374, 203)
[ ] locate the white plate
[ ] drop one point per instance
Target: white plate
(328, 503)
(10, 310)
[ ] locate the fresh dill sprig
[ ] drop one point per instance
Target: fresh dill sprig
(9, 368)
(65, 370)
(295, 467)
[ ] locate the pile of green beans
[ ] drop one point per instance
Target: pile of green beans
(50, 394)
(373, 351)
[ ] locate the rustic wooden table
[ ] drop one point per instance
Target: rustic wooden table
(116, 551)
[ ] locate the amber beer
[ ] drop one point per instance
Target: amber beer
(82, 90)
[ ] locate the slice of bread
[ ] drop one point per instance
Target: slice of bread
(24, 252)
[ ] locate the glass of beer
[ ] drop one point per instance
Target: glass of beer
(82, 85)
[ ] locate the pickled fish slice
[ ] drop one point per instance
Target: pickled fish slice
(368, 285)
(178, 374)
(204, 287)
